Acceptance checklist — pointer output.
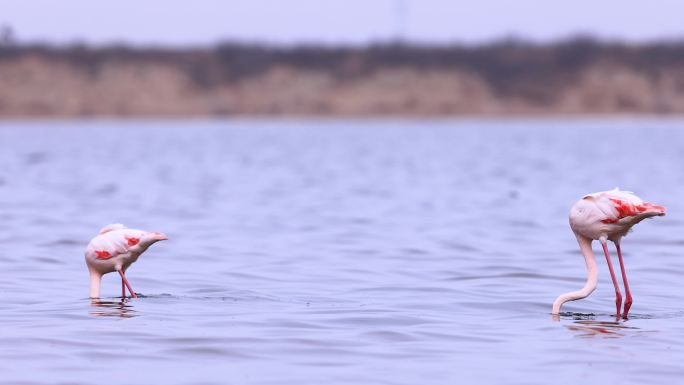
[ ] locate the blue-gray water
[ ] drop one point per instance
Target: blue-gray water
(322, 252)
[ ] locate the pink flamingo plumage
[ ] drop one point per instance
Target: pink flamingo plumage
(605, 216)
(115, 248)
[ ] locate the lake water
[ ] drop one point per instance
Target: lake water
(336, 252)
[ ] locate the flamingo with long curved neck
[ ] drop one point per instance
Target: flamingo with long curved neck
(115, 248)
(605, 216)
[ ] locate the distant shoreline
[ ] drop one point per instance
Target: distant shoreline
(579, 118)
(508, 79)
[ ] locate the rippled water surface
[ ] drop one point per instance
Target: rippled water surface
(322, 252)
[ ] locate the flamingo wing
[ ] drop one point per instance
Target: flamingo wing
(111, 227)
(113, 242)
(617, 204)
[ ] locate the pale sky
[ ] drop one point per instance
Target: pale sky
(169, 22)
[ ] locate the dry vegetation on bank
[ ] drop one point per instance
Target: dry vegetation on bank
(579, 76)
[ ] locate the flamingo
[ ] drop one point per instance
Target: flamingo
(115, 248)
(605, 216)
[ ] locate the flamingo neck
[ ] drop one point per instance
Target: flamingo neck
(592, 276)
(95, 280)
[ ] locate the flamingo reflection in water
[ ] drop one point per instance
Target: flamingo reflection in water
(112, 308)
(606, 329)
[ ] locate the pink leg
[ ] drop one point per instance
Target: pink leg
(123, 289)
(618, 295)
(628, 294)
(128, 285)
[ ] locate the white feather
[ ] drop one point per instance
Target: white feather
(112, 227)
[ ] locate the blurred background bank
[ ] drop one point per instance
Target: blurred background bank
(340, 58)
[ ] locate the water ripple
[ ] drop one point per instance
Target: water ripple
(334, 252)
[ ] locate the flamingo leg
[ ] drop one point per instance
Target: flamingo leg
(618, 295)
(123, 289)
(128, 285)
(628, 294)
